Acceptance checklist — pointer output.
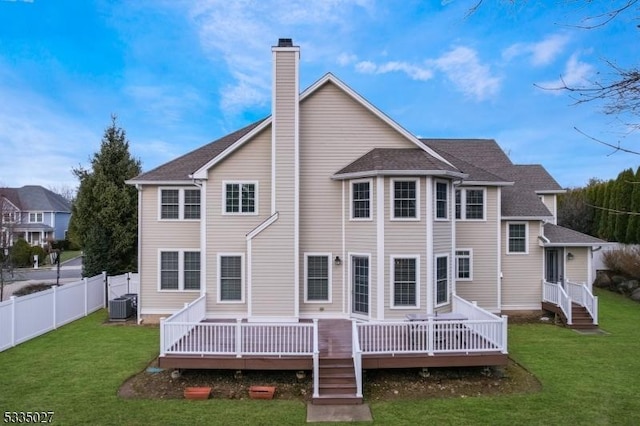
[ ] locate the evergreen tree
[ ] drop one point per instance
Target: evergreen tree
(633, 226)
(603, 204)
(104, 216)
(624, 190)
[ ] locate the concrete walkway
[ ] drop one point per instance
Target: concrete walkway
(338, 413)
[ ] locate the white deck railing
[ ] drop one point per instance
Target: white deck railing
(357, 357)
(474, 312)
(554, 293)
(580, 294)
(182, 323)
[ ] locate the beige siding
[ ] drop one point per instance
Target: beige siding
(161, 235)
(482, 238)
(522, 273)
(551, 200)
(227, 233)
(334, 131)
(577, 269)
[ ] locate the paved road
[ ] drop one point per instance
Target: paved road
(69, 271)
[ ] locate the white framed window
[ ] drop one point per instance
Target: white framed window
(405, 199)
(361, 199)
(179, 204)
(442, 280)
(231, 277)
(36, 217)
(517, 241)
(317, 277)
(471, 203)
(240, 198)
(464, 264)
(405, 281)
(442, 200)
(179, 270)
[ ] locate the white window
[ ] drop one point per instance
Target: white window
(442, 200)
(317, 277)
(405, 273)
(230, 277)
(517, 238)
(442, 280)
(405, 204)
(179, 203)
(470, 204)
(179, 270)
(361, 200)
(464, 265)
(240, 197)
(35, 217)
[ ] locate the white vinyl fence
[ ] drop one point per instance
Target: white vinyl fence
(23, 318)
(119, 285)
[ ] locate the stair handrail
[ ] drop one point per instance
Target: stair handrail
(357, 357)
(585, 298)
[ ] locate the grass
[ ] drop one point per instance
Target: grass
(68, 255)
(76, 371)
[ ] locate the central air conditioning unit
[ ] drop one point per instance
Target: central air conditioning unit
(120, 308)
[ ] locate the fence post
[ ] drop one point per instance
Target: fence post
(162, 331)
(13, 320)
(55, 306)
(128, 279)
(86, 296)
(505, 333)
(105, 293)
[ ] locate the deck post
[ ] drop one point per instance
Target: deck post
(505, 333)
(162, 338)
(595, 310)
(431, 336)
(238, 338)
(316, 360)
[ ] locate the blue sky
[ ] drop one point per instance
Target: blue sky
(179, 74)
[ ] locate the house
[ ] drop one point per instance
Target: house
(35, 214)
(327, 230)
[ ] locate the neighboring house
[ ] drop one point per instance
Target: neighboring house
(35, 214)
(330, 210)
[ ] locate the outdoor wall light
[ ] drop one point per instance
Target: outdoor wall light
(569, 256)
(337, 261)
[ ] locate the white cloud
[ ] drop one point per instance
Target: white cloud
(576, 74)
(165, 103)
(345, 59)
(542, 52)
(464, 69)
(413, 71)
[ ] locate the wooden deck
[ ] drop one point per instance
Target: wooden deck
(335, 342)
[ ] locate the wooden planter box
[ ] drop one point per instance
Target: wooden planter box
(262, 392)
(197, 392)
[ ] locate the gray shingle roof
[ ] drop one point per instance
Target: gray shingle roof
(36, 198)
(565, 236)
(395, 159)
(182, 167)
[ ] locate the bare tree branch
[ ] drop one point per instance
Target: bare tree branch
(604, 18)
(614, 211)
(616, 148)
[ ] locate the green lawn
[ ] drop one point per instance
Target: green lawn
(76, 371)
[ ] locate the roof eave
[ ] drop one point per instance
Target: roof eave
(159, 182)
(372, 173)
(551, 191)
(541, 218)
(485, 183)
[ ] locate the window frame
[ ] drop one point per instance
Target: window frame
(392, 280)
(352, 200)
(436, 200)
(181, 203)
(329, 257)
(240, 183)
(36, 215)
(468, 256)
(526, 238)
(392, 202)
(461, 212)
(438, 279)
(219, 278)
(181, 270)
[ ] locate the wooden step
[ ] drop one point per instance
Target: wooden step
(334, 399)
(337, 381)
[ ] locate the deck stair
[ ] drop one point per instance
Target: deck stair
(337, 377)
(580, 317)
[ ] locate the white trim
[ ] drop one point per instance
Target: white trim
(139, 260)
(203, 237)
(351, 200)
(435, 280)
(329, 257)
(296, 185)
(523, 218)
(463, 203)
(499, 246)
(373, 173)
(181, 252)
(470, 256)
(269, 319)
(380, 246)
(435, 200)
(359, 99)
(181, 203)
(526, 238)
(242, 278)
(430, 283)
(392, 259)
(392, 200)
(256, 201)
(345, 286)
(351, 255)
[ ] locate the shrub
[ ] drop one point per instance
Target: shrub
(39, 251)
(625, 261)
(21, 254)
